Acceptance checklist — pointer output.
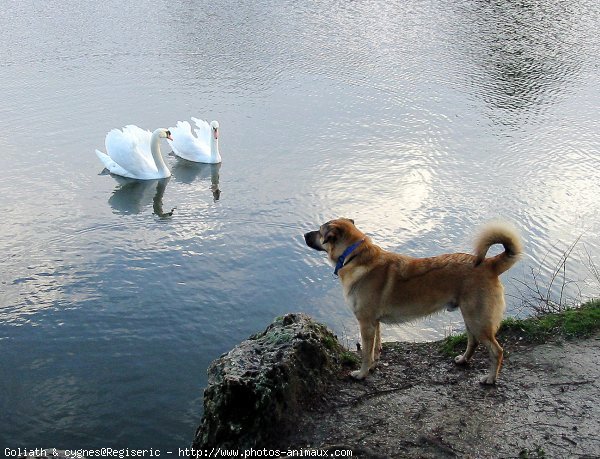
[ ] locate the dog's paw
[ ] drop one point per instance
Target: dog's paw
(358, 374)
(460, 360)
(488, 380)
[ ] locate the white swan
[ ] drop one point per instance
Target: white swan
(135, 153)
(202, 148)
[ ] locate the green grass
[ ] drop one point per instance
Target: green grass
(349, 359)
(330, 342)
(580, 322)
(573, 323)
(453, 345)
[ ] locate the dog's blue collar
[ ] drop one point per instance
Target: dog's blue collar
(340, 263)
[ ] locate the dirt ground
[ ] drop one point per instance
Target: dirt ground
(419, 404)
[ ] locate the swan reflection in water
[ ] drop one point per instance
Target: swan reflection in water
(132, 196)
(188, 171)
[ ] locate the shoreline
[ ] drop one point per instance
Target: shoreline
(418, 404)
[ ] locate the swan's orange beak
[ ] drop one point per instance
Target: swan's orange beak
(169, 136)
(216, 133)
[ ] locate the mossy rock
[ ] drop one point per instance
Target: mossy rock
(255, 389)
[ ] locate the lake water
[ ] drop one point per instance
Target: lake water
(419, 119)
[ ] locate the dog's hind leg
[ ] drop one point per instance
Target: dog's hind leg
(367, 333)
(491, 316)
(472, 343)
(496, 354)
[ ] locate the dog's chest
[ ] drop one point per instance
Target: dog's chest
(349, 282)
(352, 303)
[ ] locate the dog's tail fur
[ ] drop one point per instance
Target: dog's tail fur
(498, 233)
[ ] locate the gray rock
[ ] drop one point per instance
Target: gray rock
(255, 389)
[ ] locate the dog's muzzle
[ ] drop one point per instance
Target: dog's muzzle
(312, 240)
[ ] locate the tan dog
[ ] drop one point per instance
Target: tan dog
(380, 286)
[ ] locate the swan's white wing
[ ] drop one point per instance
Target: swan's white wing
(130, 149)
(112, 167)
(183, 141)
(186, 145)
(142, 138)
(204, 131)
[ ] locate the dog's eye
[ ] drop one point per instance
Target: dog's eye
(330, 236)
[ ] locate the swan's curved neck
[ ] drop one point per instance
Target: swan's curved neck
(157, 155)
(214, 148)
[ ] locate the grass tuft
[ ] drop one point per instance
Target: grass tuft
(454, 344)
(571, 323)
(581, 322)
(349, 359)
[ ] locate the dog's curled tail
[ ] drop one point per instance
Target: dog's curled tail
(498, 233)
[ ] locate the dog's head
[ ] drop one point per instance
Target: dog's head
(334, 237)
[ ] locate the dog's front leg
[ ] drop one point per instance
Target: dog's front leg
(367, 334)
(378, 348)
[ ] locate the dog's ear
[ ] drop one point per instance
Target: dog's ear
(352, 220)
